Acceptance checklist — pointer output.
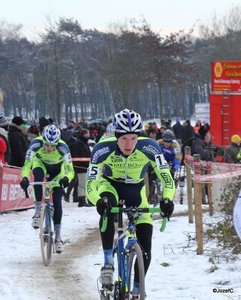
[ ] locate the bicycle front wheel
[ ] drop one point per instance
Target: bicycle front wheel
(136, 257)
(46, 234)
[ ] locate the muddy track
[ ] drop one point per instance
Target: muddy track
(63, 279)
(68, 279)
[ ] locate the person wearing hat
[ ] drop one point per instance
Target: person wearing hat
(188, 131)
(18, 142)
(4, 123)
(146, 127)
(196, 129)
(151, 133)
(117, 170)
(43, 122)
(231, 153)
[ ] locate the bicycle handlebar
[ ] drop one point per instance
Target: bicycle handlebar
(39, 183)
(133, 210)
(43, 182)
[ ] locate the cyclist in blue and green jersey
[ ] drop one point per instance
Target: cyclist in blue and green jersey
(117, 170)
(48, 157)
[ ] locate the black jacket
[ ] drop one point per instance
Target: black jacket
(187, 133)
(198, 147)
(230, 154)
(178, 130)
(18, 144)
(81, 149)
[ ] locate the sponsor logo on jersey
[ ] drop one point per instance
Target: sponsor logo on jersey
(150, 149)
(99, 153)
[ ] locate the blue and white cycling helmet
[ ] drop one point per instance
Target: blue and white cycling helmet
(127, 121)
(51, 134)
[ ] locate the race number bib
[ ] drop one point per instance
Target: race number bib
(93, 172)
(161, 163)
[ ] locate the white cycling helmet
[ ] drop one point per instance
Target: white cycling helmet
(51, 134)
(127, 121)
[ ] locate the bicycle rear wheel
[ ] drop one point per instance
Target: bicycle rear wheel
(136, 257)
(46, 234)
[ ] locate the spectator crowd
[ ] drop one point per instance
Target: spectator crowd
(15, 137)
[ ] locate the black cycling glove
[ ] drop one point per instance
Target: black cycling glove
(102, 205)
(24, 183)
(167, 207)
(64, 182)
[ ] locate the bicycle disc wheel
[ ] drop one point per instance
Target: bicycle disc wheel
(136, 257)
(46, 236)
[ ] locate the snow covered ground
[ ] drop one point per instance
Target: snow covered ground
(176, 270)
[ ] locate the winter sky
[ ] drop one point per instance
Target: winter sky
(169, 16)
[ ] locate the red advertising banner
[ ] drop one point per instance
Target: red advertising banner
(226, 76)
(12, 196)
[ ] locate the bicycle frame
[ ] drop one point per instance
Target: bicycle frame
(179, 178)
(46, 222)
(130, 234)
(126, 240)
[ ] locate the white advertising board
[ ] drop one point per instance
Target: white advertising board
(202, 111)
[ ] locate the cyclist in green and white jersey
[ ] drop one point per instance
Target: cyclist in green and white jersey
(48, 157)
(117, 170)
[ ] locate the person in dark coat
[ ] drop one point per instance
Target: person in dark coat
(68, 133)
(81, 149)
(188, 131)
(198, 147)
(203, 131)
(18, 142)
(73, 185)
(178, 129)
(231, 153)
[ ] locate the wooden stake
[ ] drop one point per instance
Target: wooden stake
(189, 183)
(198, 204)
